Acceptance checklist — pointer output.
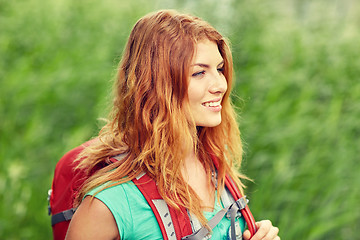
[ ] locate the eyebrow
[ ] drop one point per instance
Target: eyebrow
(206, 65)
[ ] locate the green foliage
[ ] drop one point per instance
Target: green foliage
(297, 70)
(299, 78)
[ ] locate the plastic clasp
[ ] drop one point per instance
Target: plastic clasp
(242, 202)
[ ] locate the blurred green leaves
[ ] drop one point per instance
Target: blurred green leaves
(297, 85)
(301, 117)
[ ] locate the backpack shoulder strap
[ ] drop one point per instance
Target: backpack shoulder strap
(176, 223)
(235, 192)
(173, 223)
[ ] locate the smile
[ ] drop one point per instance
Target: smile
(212, 104)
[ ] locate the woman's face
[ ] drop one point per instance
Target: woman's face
(207, 84)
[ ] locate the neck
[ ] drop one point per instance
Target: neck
(195, 176)
(191, 163)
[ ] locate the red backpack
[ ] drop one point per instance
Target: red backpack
(173, 224)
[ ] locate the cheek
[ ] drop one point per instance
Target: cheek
(193, 92)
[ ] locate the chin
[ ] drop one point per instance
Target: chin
(208, 123)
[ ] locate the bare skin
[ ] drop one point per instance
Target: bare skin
(195, 176)
(265, 231)
(92, 216)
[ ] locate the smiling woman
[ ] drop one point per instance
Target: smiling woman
(171, 147)
(207, 85)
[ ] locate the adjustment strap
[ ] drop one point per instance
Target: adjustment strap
(234, 210)
(62, 216)
(204, 233)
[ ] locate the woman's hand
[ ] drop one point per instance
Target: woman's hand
(265, 230)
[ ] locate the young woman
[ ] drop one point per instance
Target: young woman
(172, 116)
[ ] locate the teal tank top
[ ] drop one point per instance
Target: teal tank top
(135, 219)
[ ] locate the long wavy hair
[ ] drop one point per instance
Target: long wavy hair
(149, 122)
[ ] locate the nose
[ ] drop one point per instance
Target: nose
(218, 84)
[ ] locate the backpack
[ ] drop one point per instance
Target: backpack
(173, 224)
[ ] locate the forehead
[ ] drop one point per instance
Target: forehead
(207, 52)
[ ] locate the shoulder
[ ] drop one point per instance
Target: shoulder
(127, 208)
(91, 216)
(117, 197)
(131, 210)
(101, 209)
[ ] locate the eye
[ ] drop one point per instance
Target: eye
(221, 70)
(197, 74)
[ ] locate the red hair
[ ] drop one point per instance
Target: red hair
(149, 119)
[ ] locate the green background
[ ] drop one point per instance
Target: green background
(297, 91)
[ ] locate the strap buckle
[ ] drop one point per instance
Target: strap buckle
(242, 202)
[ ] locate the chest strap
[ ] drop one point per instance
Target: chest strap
(233, 210)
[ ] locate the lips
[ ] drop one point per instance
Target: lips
(212, 104)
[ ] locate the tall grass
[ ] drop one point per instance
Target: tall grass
(299, 77)
(298, 92)
(300, 80)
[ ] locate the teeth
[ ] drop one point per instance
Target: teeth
(212, 104)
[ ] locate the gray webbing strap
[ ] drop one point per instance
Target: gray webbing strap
(234, 210)
(204, 233)
(194, 221)
(164, 212)
(226, 200)
(62, 216)
(140, 175)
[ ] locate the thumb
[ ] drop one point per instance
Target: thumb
(246, 235)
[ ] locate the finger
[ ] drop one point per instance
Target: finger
(263, 227)
(273, 233)
(246, 235)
